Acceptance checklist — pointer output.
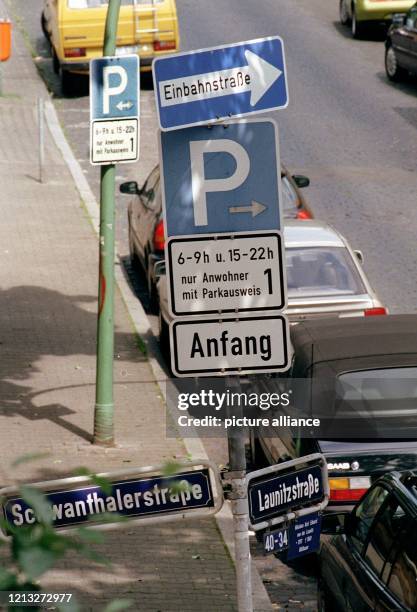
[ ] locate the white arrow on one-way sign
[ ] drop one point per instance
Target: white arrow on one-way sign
(257, 77)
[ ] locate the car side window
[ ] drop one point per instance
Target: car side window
(411, 21)
(403, 579)
(151, 188)
(362, 517)
(388, 524)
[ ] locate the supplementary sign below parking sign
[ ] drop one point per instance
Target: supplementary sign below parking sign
(209, 274)
(220, 82)
(304, 536)
(114, 109)
(223, 179)
(229, 345)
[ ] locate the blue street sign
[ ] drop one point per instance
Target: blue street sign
(274, 496)
(304, 536)
(220, 82)
(222, 179)
(130, 498)
(114, 87)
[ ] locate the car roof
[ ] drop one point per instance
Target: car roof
(309, 232)
(369, 341)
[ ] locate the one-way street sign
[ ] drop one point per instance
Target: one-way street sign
(220, 82)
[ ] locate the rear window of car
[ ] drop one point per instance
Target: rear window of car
(86, 4)
(317, 272)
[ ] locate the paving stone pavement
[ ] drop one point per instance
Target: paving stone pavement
(48, 280)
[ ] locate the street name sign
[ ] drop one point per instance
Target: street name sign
(291, 489)
(213, 273)
(207, 85)
(221, 180)
(227, 345)
(114, 110)
(137, 498)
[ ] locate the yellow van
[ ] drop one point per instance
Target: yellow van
(75, 29)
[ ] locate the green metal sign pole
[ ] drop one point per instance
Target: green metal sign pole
(104, 407)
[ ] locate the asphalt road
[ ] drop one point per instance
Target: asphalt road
(346, 127)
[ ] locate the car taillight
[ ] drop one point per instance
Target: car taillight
(348, 489)
(371, 312)
(303, 214)
(164, 45)
(77, 52)
(159, 236)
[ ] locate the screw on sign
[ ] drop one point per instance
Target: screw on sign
(5, 39)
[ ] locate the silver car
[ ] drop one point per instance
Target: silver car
(324, 277)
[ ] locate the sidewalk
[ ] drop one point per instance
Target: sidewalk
(48, 280)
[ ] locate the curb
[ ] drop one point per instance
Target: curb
(194, 446)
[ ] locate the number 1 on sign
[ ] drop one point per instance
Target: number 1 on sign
(268, 274)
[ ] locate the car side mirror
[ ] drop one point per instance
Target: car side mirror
(301, 181)
(130, 187)
(334, 523)
(359, 255)
(398, 19)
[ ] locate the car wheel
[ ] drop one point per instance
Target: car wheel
(164, 339)
(323, 603)
(68, 82)
(43, 26)
(153, 294)
(358, 27)
(343, 13)
(55, 61)
(393, 70)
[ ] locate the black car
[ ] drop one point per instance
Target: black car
(368, 559)
(146, 227)
(401, 46)
(359, 376)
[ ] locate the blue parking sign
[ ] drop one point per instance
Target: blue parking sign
(221, 179)
(114, 87)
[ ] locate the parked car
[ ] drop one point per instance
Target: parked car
(361, 14)
(324, 276)
(146, 226)
(368, 559)
(75, 30)
(362, 369)
(401, 46)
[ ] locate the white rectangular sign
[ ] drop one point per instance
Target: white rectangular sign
(216, 273)
(210, 347)
(114, 140)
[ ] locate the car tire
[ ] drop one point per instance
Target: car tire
(357, 27)
(393, 70)
(164, 339)
(43, 26)
(55, 61)
(69, 83)
(343, 13)
(153, 294)
(323, 602)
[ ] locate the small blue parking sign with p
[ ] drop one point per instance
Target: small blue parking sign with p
(221, 179)
(114, 109)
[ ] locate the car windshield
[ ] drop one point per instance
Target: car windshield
(289, 197)
(321, 271)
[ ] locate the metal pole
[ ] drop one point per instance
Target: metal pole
(104, 407)
(41, 139)
(240, 509)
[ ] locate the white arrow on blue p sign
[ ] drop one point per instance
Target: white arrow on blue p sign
(114, 109)
(220, 82)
